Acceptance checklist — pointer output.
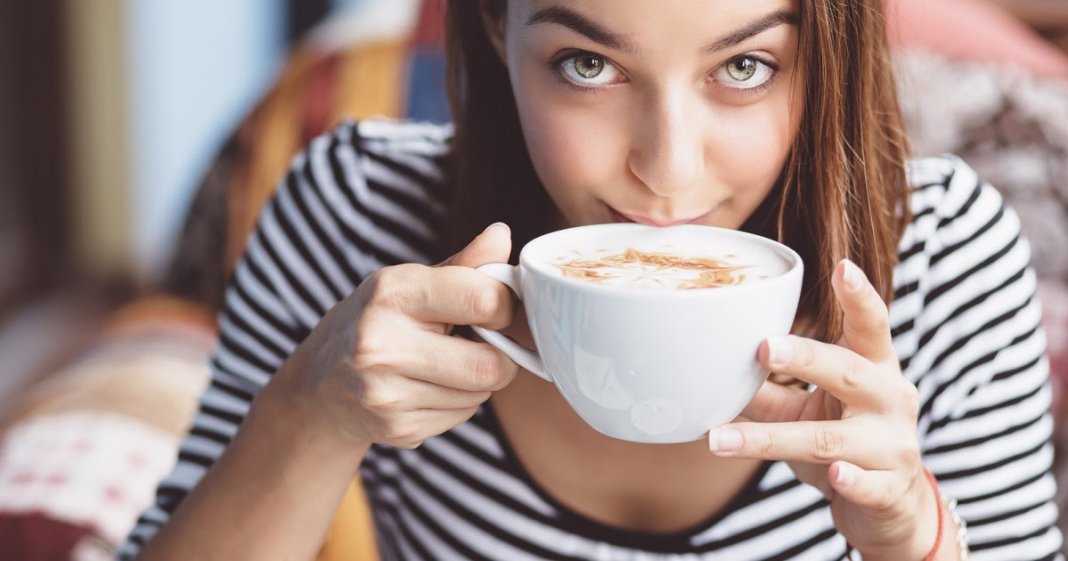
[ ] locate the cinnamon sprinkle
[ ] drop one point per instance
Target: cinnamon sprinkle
(711, 273)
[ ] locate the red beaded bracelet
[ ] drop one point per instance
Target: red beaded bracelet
(941, 515)
(948, 507)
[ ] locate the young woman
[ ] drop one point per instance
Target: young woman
(772, 116)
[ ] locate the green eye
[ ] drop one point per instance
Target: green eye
(589, 66)
(587, 70)
(742, 69)
(745, 73)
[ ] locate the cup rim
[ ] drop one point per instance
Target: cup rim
(795, 269)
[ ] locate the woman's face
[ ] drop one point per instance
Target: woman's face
(654, 111)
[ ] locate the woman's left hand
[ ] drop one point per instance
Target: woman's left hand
(854, 437)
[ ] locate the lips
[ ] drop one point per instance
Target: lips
(618, 216)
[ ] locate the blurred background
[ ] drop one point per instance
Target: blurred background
(139, 137)
(111, 113)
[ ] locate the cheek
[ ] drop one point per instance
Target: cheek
(752, 147)
(574, 148)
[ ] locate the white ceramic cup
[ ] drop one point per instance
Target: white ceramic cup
(651, 365)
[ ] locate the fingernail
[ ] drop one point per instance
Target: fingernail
(853, 276)
(780, 351)
(725, 440)
(498, 226)
(847, 475)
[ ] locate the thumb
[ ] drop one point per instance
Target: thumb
(493, 245)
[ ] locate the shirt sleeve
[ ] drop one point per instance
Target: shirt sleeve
(349, 205)
(976, 351)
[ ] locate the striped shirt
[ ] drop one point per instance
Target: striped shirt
(965, 325)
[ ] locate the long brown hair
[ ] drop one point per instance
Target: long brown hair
(842, 193)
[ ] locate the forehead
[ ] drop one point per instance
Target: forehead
(650, 24)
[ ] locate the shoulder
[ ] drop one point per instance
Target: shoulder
(951, 208)
(389, 153)
(388, 135)
(363, 196)
(386, 183)
(964, 264)
(420, 146)
(943, 185)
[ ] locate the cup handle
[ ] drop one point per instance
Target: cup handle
(522, 356)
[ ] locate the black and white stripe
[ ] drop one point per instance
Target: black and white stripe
(368, 195)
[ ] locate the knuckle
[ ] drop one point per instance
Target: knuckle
(381, 290)
(885, 499)
(369, 353)
(888, 497)
(378, 396)
(401, 434)
(828, 444)
(854, 375)
(388, 285)
(486, 370)
(763, 443)
(406, 270)
(910, 400)
(909, 453)
(481, 303)
(880, 315)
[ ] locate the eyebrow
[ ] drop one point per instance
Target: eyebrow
(774, 19)
(598, 34)
(582, 25)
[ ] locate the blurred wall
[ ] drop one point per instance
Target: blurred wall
(98, 139)
(110, 111)
(157, 86)
(195, 68)
(33, 155)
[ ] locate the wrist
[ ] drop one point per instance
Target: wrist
(940, 534)
(922, 526)
(299, 422)
(308, 388)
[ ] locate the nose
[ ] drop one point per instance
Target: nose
(668, 147)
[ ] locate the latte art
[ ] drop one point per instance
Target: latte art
(645, 269)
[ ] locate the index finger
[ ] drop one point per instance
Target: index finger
(814, 442)
(867, 321)
(455, 295)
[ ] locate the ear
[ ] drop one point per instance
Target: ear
(493, 21)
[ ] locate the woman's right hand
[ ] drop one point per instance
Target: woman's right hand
(381, 367)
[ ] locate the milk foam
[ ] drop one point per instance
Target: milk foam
(659, 269)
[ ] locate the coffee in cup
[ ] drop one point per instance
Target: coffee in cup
(634, 268)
